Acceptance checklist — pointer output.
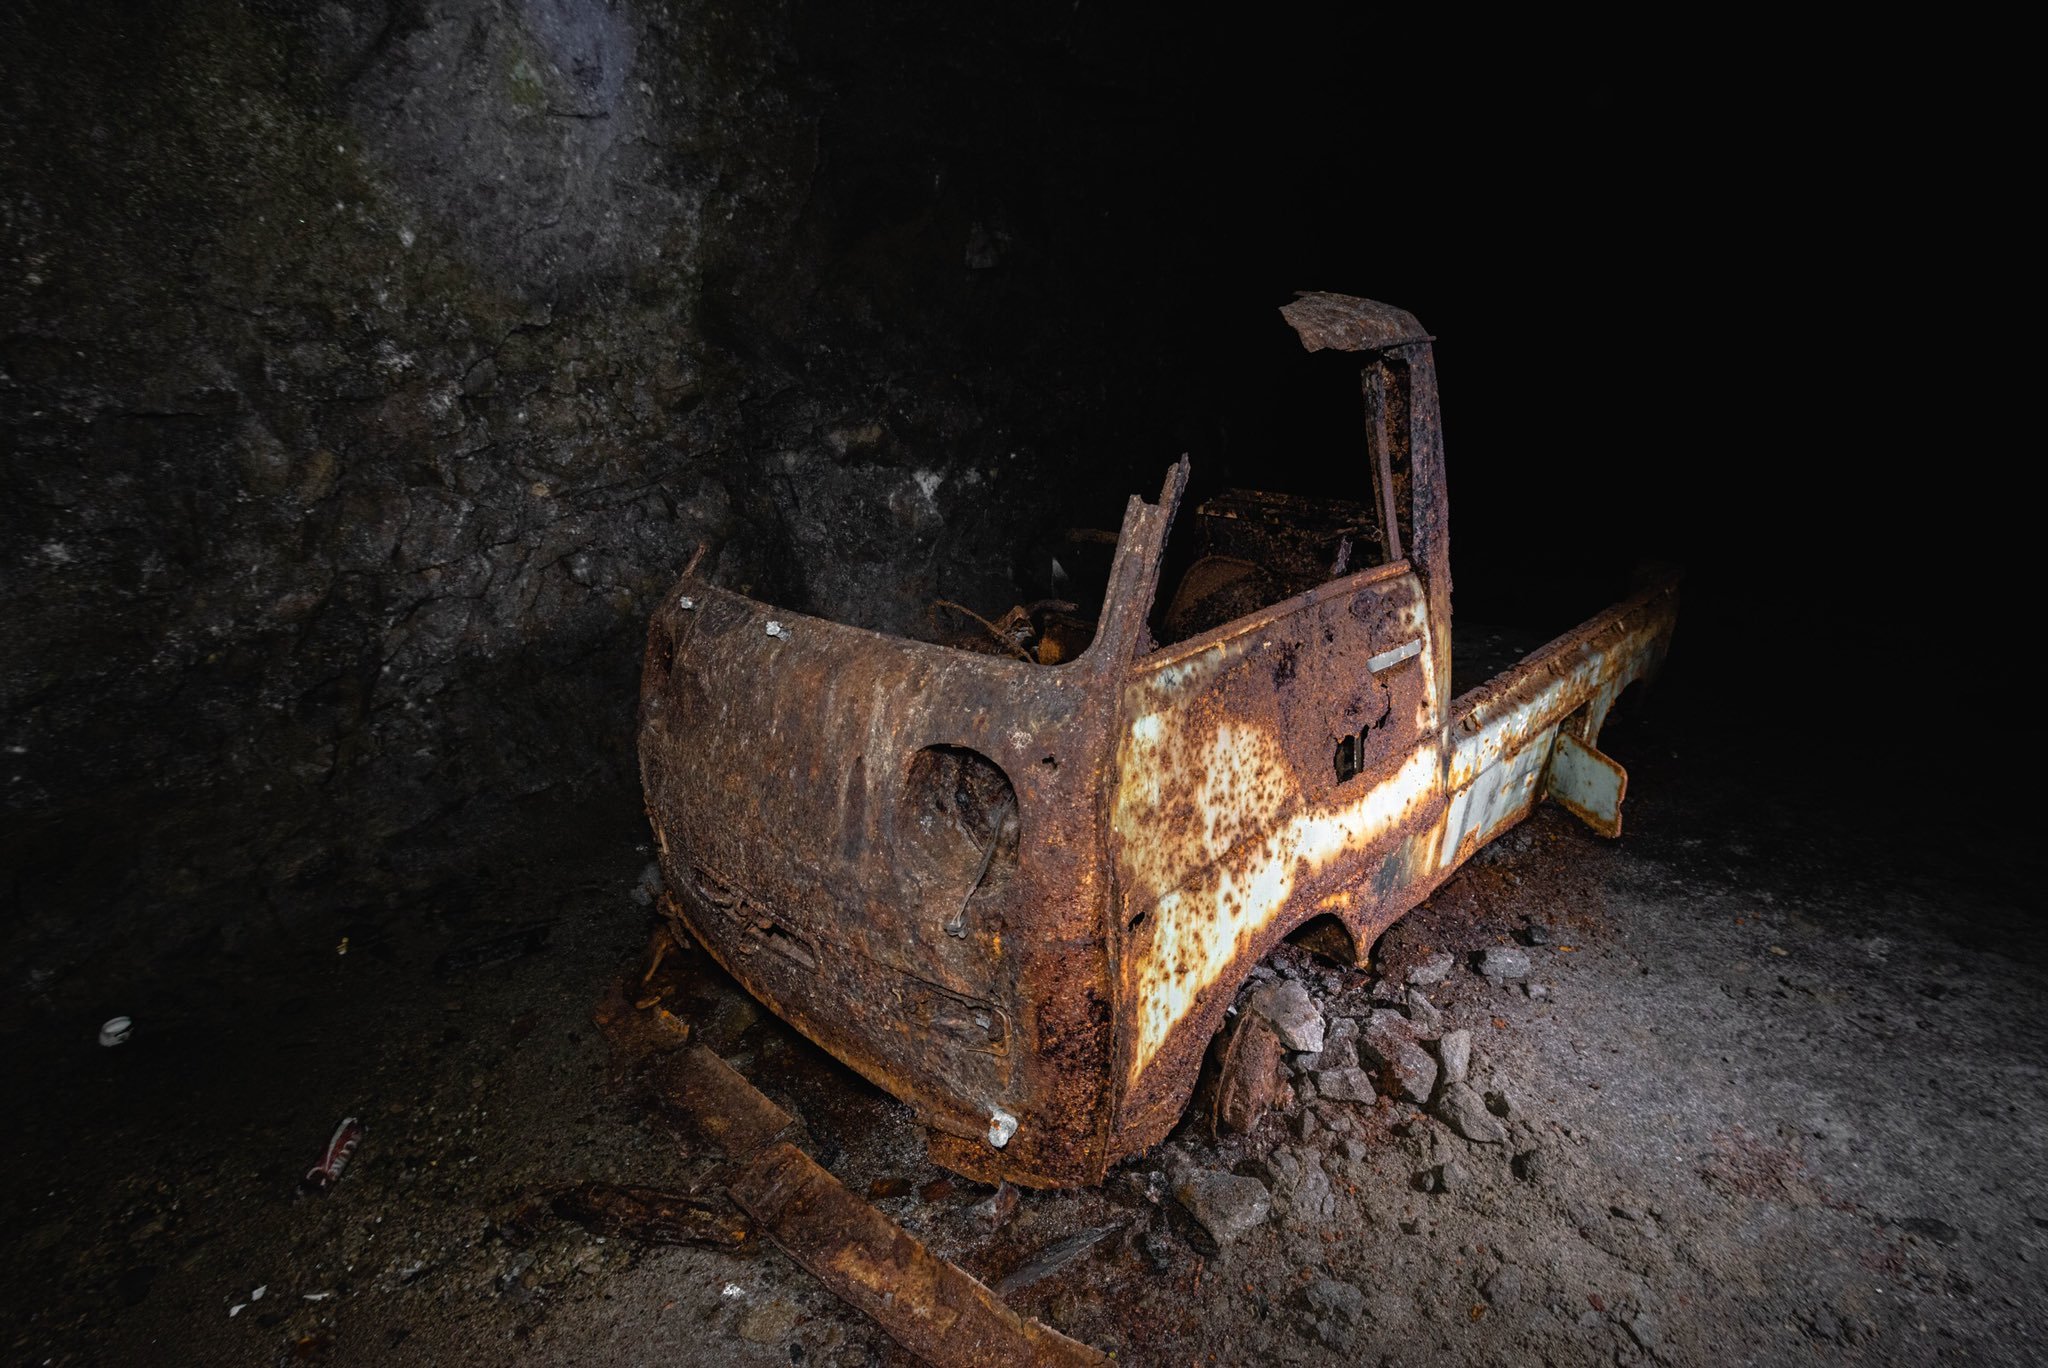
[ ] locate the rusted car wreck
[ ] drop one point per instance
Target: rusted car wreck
(1020, 896)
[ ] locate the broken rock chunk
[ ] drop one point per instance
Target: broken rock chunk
(1429, 1022)
(1346, 1085)
(1340, 1047)
(1505, 962)
(1455, 1049)
(1433, 970)
(1466, 1112)
(1339, 1314)
(1225, 1205)
(1293, 1013)
(1404, 1066)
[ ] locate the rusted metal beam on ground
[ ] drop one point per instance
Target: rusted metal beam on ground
(929, 1306)
(716, 1103)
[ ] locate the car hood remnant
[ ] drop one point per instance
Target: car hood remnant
(1020, 896)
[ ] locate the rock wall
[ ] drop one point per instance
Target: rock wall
(368, 369)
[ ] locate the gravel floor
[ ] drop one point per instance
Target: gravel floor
(1770, 1091)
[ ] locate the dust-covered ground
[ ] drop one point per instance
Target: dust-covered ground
(1769, 1091)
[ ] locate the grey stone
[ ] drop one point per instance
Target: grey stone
(1293, 1013)
(1466, 1113)
(1340, 1047)
(1345, 1085)
(1225, 1205)
(1505, 962)
(1433, 970)
(1504, 1287)
(1405, 1067)
(1454, 1048)
(1644, 1330)
(1338, 1314)
(1429, 1022)
(1537, 991)
(1338, 1300)
(1539, 933)
(1529, 1165)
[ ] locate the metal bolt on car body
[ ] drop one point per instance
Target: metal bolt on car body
(1001, 1126)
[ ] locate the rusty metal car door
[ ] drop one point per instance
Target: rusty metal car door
(1260, 767)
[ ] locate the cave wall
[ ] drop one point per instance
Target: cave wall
(369, 369)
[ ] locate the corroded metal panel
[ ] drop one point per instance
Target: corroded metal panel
(1019, 896)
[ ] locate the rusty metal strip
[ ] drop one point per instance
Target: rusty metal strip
(718, 1105)
(929, 1306)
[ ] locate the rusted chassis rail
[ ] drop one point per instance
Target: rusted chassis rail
(1020, 897)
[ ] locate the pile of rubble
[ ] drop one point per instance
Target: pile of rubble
(1356, 1062)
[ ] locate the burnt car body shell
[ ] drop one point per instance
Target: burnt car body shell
(1015, 893)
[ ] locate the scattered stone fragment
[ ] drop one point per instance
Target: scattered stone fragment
(1433, 970)
(1293, 1013)
(1504, 962)
(1305, 1124)
(1340, 1047)
(1644, 1330)
(1345, 1085)
(1529, 1165)
(1498, 1102)
(1504, 1287)
(1455, 1049)
(1339, 1313)
(1466, 1112)
(1539, 933)
(1225, 1205)
(1429, 1022)
(1538, 991)
(1449, 1176)
(1405, 1067)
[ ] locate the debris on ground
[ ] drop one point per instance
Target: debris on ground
(653, 1215)
(325, 1174)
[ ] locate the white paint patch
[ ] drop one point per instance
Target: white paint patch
(1199, 930)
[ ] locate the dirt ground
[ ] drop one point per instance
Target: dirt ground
(1772, 1092)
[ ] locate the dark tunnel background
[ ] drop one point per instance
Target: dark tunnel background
(338, 487)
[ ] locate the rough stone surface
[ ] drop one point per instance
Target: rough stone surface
(1352, 1084)
(1340, 1047)
(1404, 1066)
(1504, 962)
(1293, 1012)
(1433, 970)
(1503, 1287)
(1454, 1048)
(1428, 1020)
(1466, 1113)
(370, 370)
(1225, 1205)
(1338, 1313)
